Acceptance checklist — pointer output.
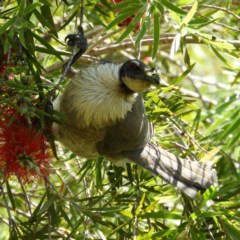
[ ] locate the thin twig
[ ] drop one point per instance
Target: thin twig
(185, 91)
(48, 215)
(209, 81)
(81, 13)
(95, 50)
(25, 196)
(10, 219)
(66, 69)
(98, 29)
(97, 42)
(183, 131)
(221, 9)
(18, 211)
(216, 22)
(109, 48)
(199, 94)
(4, 220)
(85, 59)
(1, 5)
(196, 95)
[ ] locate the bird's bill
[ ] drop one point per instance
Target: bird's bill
(152, 77)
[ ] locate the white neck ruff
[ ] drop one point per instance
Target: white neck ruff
(96, 96)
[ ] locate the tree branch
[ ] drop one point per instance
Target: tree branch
(167, 40)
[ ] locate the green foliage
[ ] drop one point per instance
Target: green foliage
(195, 46)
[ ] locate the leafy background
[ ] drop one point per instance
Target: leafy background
(195, 46)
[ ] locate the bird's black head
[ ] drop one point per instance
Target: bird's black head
(137, 77)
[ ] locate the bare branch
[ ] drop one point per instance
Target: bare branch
(109, 48)
(221, 9)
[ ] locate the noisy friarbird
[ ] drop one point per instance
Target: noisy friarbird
(105, 116)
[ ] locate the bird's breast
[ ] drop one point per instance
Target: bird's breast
(96, 97)
(82, 142)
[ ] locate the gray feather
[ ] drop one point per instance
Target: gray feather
(187, 176)
(132, 132)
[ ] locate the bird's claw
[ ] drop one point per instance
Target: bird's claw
(78, 40)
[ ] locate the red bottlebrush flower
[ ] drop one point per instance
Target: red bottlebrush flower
(3, 64)
(24, 151)
(125, 22)
(2, 68)
(6, 66)
(128, 20)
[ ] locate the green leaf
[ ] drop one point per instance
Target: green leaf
(175, 44)
(32, 64)
(65, 216)
(28, 38)
(107, 4)
(127, 4)
(228, 204)
(210, 154)
(52, 51)
(67, 21)
(226, 103)
(163, 214)
(48, 204)
(120, 18)
(8, 24)
(38, 207)
(175, 17)
(141, 33)
(234, 126)
(10, 195)
(184, 74)
(198, 23)
(228, 190)
(140, 205)
(230, 229)
(172, 7)
(207, 214)
(53, 212)
(21, 7)
(236, 79)
(116, 230)
(47, 15)
(156, 32)
(131, 26)
(49, 49)
(22, 38)
(99, 8)
(160, 7)
(170, 233)
(208, 195)
(46, 2)
(45, 21)
(221, 57)
(147, 236)
(186, 56)
(196, 121)
(215, 43)
(189, 15)
(30, 8)
(233, 141)
(99, 165)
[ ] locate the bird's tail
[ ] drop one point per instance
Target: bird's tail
(187, 176)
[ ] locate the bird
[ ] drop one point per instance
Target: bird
(105, 116)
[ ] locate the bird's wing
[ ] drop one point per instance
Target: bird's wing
(133, 132)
